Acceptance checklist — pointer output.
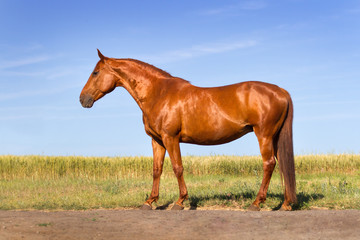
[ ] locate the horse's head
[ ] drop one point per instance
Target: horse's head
(101, 81)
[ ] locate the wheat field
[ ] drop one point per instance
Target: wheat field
(74, 182)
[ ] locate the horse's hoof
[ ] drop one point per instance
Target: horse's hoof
(285, 208)
(253, 208)
(177, 207)
(146, 207)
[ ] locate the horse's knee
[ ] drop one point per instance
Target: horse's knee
(178, 170)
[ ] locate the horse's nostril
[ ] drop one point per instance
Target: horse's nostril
(86, 101)
(82, 97)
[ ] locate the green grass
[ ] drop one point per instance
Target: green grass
(43, 182)
(44, 224)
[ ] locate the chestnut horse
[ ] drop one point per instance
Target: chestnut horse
(175, 111)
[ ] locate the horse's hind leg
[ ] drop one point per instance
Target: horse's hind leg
(267, 153)
(159, 154)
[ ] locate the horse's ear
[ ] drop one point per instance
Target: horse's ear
(102, 57)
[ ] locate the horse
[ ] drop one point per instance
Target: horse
(175, 111)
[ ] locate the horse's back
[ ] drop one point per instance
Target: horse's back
(240, 99)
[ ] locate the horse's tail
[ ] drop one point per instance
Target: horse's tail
(285, 154)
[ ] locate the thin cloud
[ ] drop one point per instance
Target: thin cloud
(340, 102)
(231, 9)
(45, 73)
(218, 11)
(63, 117)
(201, 50)
(328, 117)
(23, 74)
(23, 62)
(253, 5)
(219, 48)
(32, 93)
(22, 94)
(353, 11)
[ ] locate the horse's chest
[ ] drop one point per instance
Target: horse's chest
(150, 129)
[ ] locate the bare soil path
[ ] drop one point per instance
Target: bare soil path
(199, 224)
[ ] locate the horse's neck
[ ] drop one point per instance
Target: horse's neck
(140, 80)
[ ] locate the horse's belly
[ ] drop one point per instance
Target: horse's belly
(208, 136)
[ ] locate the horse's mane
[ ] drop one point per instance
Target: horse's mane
(151, 68)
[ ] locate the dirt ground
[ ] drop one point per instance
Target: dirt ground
(198, 224)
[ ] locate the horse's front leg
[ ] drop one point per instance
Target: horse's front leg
(159, 154)
(173, 148)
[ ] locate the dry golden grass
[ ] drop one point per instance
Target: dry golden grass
(43, 182)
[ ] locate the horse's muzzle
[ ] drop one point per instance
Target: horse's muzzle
(86, 100)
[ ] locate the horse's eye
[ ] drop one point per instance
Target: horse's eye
(95, 73)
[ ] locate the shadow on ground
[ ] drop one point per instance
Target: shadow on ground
(303, 199)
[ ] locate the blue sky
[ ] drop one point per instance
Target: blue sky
(48, 50)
